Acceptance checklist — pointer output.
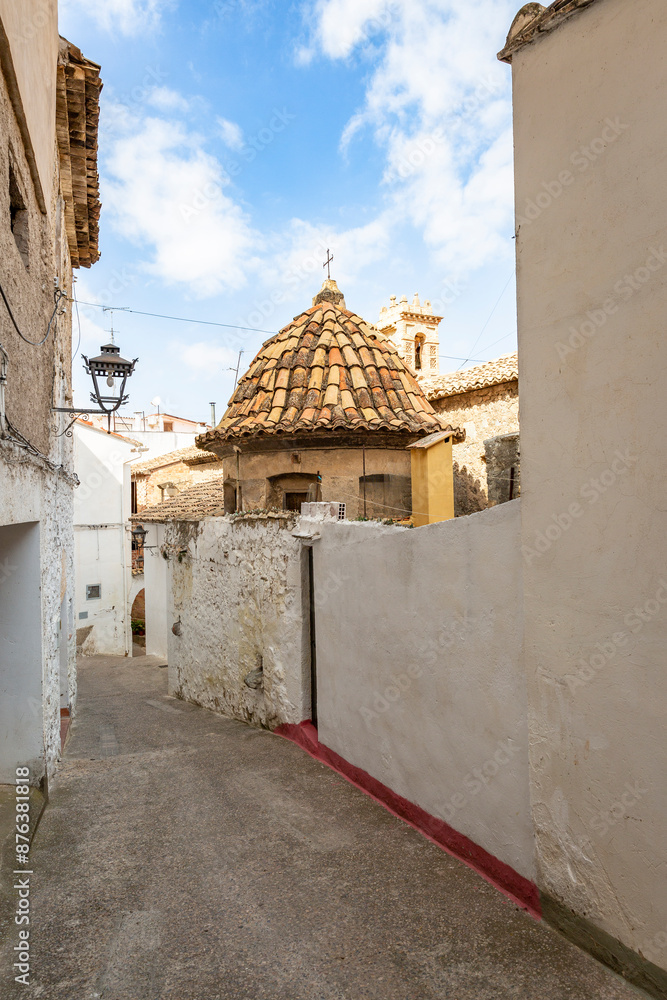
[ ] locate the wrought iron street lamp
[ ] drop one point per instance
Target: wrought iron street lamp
(111, 366)
(108, 365)
(139, 535)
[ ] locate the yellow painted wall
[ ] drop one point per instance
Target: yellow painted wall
(432, 483)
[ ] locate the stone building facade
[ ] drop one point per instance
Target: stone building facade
(49, 211)
(325, 412)
(156, 478)
(413, 329)
(484, 402)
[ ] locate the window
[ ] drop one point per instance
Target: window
(168, 426)
(293, 501)
(93, 591)
(18, 216)
(418, 354)
(134, 496)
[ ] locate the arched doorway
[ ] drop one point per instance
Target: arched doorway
(138, 621)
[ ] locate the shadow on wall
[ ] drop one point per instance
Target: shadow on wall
(469, 495)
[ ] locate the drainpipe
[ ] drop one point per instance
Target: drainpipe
(4, 361)
(364, 460)
(239, 497)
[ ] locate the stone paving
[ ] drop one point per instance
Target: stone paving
(185, 856)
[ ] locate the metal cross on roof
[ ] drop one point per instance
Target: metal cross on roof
(327, 263)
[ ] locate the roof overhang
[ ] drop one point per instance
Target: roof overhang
(77, 119)
(456, 434)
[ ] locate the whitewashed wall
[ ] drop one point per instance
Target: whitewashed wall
(236, 587)
(103, 551)
(39, 502)
(419, 674)
(155, 584)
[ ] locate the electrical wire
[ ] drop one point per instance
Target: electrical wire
(488, 321)
(183, 319)
(248, 329)
(58, 296)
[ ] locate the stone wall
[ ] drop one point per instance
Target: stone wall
(37, 488)
(28, 284)
(239, 593)
(182, 475)
(503, 468)
(483, 413)
(32, 493)
(341, 471)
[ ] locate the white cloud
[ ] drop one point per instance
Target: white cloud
(166, 99)
(164, 191)
(205, 358)
(231, 133)
(127, 16)
(439, 105)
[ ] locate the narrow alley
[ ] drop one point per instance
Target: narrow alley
(187, 856)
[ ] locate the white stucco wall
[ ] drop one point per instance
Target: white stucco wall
(592, 299)
(155, 584)
(419, 674)
(31, 494)
(238, 591)
(103, 541)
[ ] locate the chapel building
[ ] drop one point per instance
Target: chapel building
(325, 412)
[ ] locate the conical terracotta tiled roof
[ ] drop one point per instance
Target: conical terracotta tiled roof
(327, 370)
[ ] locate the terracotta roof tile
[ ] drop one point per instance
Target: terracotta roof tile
(327, 369)
(190, 456)
(202, 500)
(504, 369)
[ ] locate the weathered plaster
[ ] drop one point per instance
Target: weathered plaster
(31, 494)
(237, 590)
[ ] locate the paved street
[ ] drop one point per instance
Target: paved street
(189, 857)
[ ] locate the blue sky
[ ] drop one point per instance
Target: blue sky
(241, 138)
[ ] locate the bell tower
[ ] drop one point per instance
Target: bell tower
(413, 328)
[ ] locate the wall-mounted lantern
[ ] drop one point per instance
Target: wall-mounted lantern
(108, 365)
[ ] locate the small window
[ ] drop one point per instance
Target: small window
(133, 488)
(18, 216)
(293, 501)
(418, 355)
(93, 591)
(168, 426)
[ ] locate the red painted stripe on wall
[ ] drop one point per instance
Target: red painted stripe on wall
(516, 887)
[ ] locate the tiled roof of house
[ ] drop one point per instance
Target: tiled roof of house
(535, 19)
(189, 456)
(202, 500)
(504, 369)
(77, 121)
(327, 370)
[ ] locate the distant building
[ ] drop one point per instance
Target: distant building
(49, 109)
(155, 423)
(484, 402)
(413, 329)
(155, 479)
(103, 560)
